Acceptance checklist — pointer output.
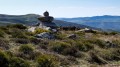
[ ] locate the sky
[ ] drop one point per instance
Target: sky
(61, 8)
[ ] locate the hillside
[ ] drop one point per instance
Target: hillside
(31, 20)
(71, 48)
(105, 22)
(28, 19)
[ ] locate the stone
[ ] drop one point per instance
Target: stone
(31, 29)
(111, 45)
(47, 21)
(87, 30)
(72, 36)
(46, 17)
(45, 35)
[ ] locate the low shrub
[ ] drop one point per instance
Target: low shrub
(18, 26)
(16, 33)
(98, 42)
(96, 59)
(85, 46)
(70, 51)
(60, 36)
(59, 46)
(117, 43)
(20, 40)
(4, 59)
(26, 49)
(113, 33)
(18, 62)
(4, 44)
(47, 61)
(2, 33)
(34, 40)
(40, 30)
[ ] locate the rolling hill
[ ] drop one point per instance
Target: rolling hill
(105, 22)
(31, 19)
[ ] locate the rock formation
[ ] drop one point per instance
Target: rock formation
(47, 21)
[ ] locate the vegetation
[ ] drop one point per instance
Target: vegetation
(19, 48)
(40, 30)
(26, 49)
(47, 61)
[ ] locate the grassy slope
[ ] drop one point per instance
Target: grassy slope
(89, 49)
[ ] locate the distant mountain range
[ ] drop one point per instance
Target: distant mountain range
(31, 19)
(105, 22)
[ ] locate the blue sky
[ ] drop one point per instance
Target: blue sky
(61, 8)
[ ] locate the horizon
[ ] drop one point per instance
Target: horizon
(61, 17)
(61, 9)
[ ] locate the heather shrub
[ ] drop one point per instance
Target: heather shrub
(47, 61)
(113, 33)
(17, 33)
(111, 54)
(2, 33)
(34, 40)
(72, 51)
(26, 49)
(96, 59)
(18, 62)
(4, 44)
(40, 30)
(61, 36)
(18, 26)
(98, 42)
(4, 59)
(20, 40)
(85, 46)
(59, 46)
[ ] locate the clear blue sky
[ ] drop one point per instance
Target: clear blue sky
(61, 8)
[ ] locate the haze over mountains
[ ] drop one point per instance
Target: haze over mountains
(105, 22)
(31, 19)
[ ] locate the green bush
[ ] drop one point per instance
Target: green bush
(2, 33)
(47, 61)
(85, 46)
(40, 30)
(34, 40)
(72, 51)
(98, 42)
(111, 55)
(116, 42)
(18, 26)
(4, 60)
(26, 49)
(18, 62)
(18, 34)
(59, 46)
(20, 40)
(4, 44)
(60, 36)
(113, 33)
(97, 59)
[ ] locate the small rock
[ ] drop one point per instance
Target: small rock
(31, 29)
(87, 30)
(72, 36)
(111, 45)
(45, 35)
